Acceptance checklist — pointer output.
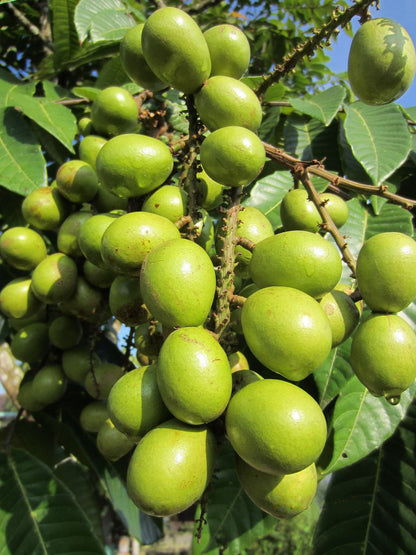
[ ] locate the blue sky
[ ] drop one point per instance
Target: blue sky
(403, 11)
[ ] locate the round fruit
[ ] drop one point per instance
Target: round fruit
(77, 181)
(253, 225)
(39, 316)
(210, 191)
(91, 233)
(132, 165)
(386, 267)
(342, 313)
(18, 299)
(31, 343)
(49, 384)
(126, 242)
(232, 156)
(135, 404)
(176, 50)
(229, 50)
(22, 247)
(381, 62)
(87, 303)
(114, 111)
(68, 234)
(27, 399)
(89, 148)
(287, 331)
(275, 426)
(383, 355)
(99, 381)
(65, 332)
(134, 63)
(93, 416)
(77, 362)
(171, 467)
(241, 378)
(106, 201)
(224, 101)
(111, 443)
(283, 496)
(194, 375)
(298, 259)
(178, 283)
(168, 201)
(97, 276)
(85, 126)
(55, 278)
(45, 208)
(126, 302)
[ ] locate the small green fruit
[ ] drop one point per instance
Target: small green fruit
(342, 313)
(77, 362)
(87, 303)
(77, 181)
(99, 381)
(49, 384)
(97, 276)
(31, 343)
(45, 208)
(89, 148)
(210, 191)
(91, 233)
(126, 302)
(26, 398)
(18, 299)
(241, 378)
(22, 247)
(68, 234)
(114, 111)
(93, 416)
(253, 225)
(106, 201)
(229, 50)
(168, 201)
(65, 332)
(55, 278)
(111, 443)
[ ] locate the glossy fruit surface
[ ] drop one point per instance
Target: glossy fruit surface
(55, 278)
(45, 208)
(77, 362)
(114, 111)
(112, 443)
(386, 268)
(93, 416)
(178, 283)
(22, 247)
(342, 313)
(31, 343)
(224, 101)
(89, 148)
(99, 382)
(168, 201)
(287, 331)
(229, 50)
(49, 384)
(275, 426)
(65, 332)
(232, 156)
(91, 233)
(381, 62)
(171, 467)
(18, 300)
(210, 191)
(194, 375)
(69, 232)
(299, 259)
(126, 302)
(132, 165)
(77, 181)
(253, 225)
(106, 201)
(175, 49)
(383, 355)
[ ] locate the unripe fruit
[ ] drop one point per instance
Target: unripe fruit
(27, 399)
(111, 443)
(342, 313)
(93, 416)
(77, 362)
(176, 50)
(87, 303)
(18, 299)
(45, 208)
(168, 201)
(241, 378)
(39, 316)
(65, 332)
(275, 426)
(210, 191)
(99, 381)
(49, 384)
(229, 50)
(89, 148)
(97, 276)
(77, 181)
(85, 126)
(91, 233)
(148, 339)
(253, 225)
(114, 111)
(31, 343)
(69, 231)
(55, 278)
(106, 201)
(238, 361)
(22, 247)
(126, 302)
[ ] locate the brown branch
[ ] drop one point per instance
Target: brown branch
(32, 28)
(246, 243)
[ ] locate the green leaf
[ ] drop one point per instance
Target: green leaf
(232, 520)
(323, 106)
(379, 138)
(110, 25)
(64, 32)
(112, 74)
(86, 10)
(22, 166)
(370, 506)
(38, 514)
(269, 124)
(86, 92)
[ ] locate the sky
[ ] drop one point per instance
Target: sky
(402, 11)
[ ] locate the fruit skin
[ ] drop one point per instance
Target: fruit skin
(232, 156)
(299, 259)
(55, 278)
(210, 191)
(287, 331)
(18, 299)
(386, 267)
(132, 165)
(77, 181)
(148, 339)
(178, 282)
(275, 426)
(112, 443)
(229, 50)
(168, 201)
(135, 404)
(381, 61)
(89, 148)
(283, 496)
(176, 50)
(26, 398)
(383, 355)
(342, 313)
(22, 247)
(224, 101)
(76, 363)
(87, 303)
(93, 416)
(253, 225)
(68, 234)
(31, 343)
(194, 375)
(45, 208)
(49, 384)
(91, 233)
(65, 332)
(171, 467)
(114, 111)
(99, 382)
(97, 276)
(126, 302)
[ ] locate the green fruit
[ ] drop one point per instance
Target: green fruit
(91, 233)
(55, 278)
(298, 259)
(171, 467)
(49, 384)
(386, 268)
(210, 191)
(381, 62)
(383, 355)
(127, 241)
(68, 234)
(89, 148)
(87, 303)
(65, 332)
(175, 49)
(114, 111)
(133, 165)
(238, 361)
(342, 313)
(168, 201)
(18, 299)
(275, 426)
(77, 362)
(148, 339)
(99, 382)
(111, 443)
(229, 50)
(22, 247)
(223, 101)
(39, 316)
(204, 228)
(178, 283)
(97, 276)
(85, 126)
(241, 378)
(233, 156)
(134, 63)
(77, 181)
(194, 375)
(27, 399)
(31, 343)
(93, 416)
(287, 331)
(135, 404)
(253, 225)
(282, 496)
(45, 208)
(106, 201)
(126, 302)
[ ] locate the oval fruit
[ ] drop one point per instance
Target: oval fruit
(342, 313)
(55, 278)
(97, 276)
(210, 191)
(65, 332)
(22, 247)
(114, 111)
(49, 384)
(168, 201)
(68, 234)
(99, 381)
(171, 467)
(229, 50)
(287, 331)
(77, 181)
(77, 362)
(91, 233)
(45, 208)
(93, 416)
(176, 50)
(126, 302)
(253, 225)
(112, 443)
(381, 61)
(275, 426)
(31, 343)
(89, 148)
(18, 299)
(87, 302)
(26, 398)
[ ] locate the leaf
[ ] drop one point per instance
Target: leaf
(112, 74)
(269, 124)
(379, 138)
(87, 9)
(110, 25)
(86, 92)
(370, 506)
(323, 106)
(22, 166)
(232, 520)
(64, 32)
(38, 514)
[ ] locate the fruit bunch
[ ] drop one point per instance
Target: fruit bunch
(130, 231)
